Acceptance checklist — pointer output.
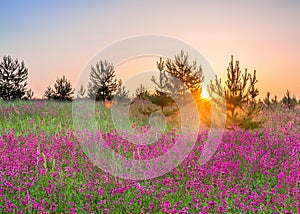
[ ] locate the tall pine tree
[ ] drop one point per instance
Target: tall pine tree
(240, 93)
(190, 74)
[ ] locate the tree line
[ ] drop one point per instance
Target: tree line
(239, 91)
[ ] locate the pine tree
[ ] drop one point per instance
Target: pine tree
(103, 83)
(63, 89)
(141, 92)
(288, 100)
(267, 100)
(161, 97)
(176, 78)
(122, 95)
(29, 95)
(274, 100)
(191, 75)
(167, 83)
(240, 94)
(81, 92)
(13, 77)
(161, 83)
(49, 93)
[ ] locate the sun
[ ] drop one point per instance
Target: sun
(204, 94)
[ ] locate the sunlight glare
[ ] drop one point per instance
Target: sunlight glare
(204, 94)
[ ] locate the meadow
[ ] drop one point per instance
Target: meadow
(43, 169)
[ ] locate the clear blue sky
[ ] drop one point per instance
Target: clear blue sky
(57, 38)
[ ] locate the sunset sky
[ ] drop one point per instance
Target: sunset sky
(57, 38)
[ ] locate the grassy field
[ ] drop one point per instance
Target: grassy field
(43, 168)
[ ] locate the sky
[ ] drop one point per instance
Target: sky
(56, 38)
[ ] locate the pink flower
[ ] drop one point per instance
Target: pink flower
(53, 207)
(166, 204)
(280, 176)
(151, 206)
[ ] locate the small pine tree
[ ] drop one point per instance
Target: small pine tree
(63, 89)
(161, 97)
(288, 100)
(122, 95)
(103, 83)
(162, 100)
(141, 92)
(161, 83)
(29, 95)
(81, 92)
(49, 93)
(13, 77)
(267, 101)
(240, 93)
(91, 92)
(274, 100)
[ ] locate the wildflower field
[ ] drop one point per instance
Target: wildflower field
(43, 169)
